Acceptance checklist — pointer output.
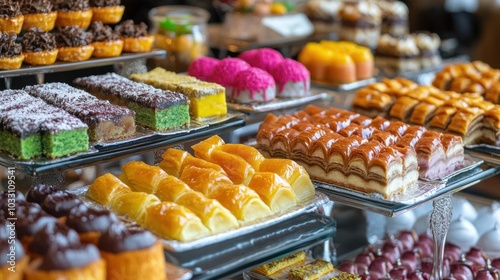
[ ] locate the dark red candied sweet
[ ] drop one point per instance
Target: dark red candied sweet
(452, 252)
(419, 275)
(426, 238)
(426, 265)
(408, 239)
(392, 249)
(424, 249)
(380, 267)
(453, 277)
(410, 259)
(399, 272)
(463, 267)
(365, 258)
(476, 256)
(488, 272)
(348, 266)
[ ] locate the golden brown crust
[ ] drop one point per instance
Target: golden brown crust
(11, 63)
(41, 58)
(107, 49)
(138, 45)
(44, 21)
(108, 15)
(11, 24)
(75, 54)
(81, 19)
(93, 271)
(21, 267)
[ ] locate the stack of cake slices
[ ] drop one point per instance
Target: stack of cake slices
(356, 152)
(154, 108)
(467, 115)
(31, 128)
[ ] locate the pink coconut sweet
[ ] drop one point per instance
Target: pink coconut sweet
(292, 78)
(225, 71)
(249, 55)
(253, 85)
(202, 67)
(265, 59)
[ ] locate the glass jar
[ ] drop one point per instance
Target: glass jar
(182, 32)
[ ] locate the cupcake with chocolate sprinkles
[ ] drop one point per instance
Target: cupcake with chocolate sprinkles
(135, 37)
(73, 44)
(39, 47)
(73, 13)
(38, 14)
(106, 41)
(11, 56)
(11, 18)
(107, 11)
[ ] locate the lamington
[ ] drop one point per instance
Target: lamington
(206, 99)
(106, 121)
(31, 128)
(156, 109)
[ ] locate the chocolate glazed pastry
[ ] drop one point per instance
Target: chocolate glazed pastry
(122, 247)
(20, 260)
(90, 223)
(73, 44)
(52, 235)
(39, 192)
(73, 13)
(39, 47)
(39, 14)
(107, 11)
(11, 56)
(79, 261)
(135, 36)
(59, 204)
(106, 42)
(11, 19)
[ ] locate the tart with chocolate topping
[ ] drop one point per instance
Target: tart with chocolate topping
(39, 47)
(11, 18)
(11, 56)
(39, 14)
(74, 44)
(107, 11)
(106, 42)
(135, 37)
(73, 12)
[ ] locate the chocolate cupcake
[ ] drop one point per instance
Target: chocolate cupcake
(135, 36)
(106, 41)
(73, 13)
(38, 14)
(9, 200)
(39, 192)
(39, 47)
(13, 260)
(73, 44)
(121, 247)
(11, 56)
(52, 235)
(11, 18)
(78, 261)
(90, 223)
(107, 11)
(31, 218)
(60, 203)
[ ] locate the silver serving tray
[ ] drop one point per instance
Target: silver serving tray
(306, 205)
(344, 87)
(276, 104)
(419, 192)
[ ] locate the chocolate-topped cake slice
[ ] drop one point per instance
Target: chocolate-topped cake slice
(106, 121)
(154, 108)
(31, 128)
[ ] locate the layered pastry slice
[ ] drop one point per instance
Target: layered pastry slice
(156, 109)
(397, 53)
(467, 123)
(106, 121)
(106, 189)
(491, 126)
(206, 99)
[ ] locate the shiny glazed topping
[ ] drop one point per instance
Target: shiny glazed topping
(6, 195)
(118, 239)
(8, 45)
(59, 204)
(102, 32)
(71, 5)
(39, 192)
(36, 40)
(72, 36)
(53, 235)
(128, 29)
(10, 8)
(84, 219)
(32, 223)
(36, 6)
(75, 256)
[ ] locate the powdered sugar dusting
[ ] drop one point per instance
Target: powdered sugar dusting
(290, 70)
(123, 88)
(224, 73)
